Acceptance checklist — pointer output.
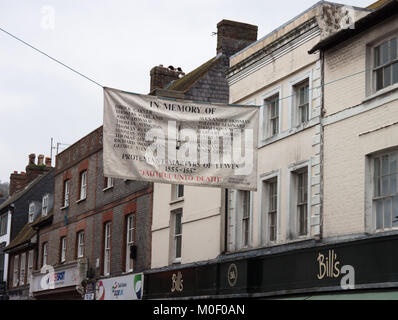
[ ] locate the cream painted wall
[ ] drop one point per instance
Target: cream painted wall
(201, 223)
(344, 174)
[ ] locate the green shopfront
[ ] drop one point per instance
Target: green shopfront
(362, 268)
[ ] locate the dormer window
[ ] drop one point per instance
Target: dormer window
(31, 212)
(44, 205)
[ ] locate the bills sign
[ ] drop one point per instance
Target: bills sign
(179, 142)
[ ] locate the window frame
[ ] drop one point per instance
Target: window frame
(264, 128)
(63, 245)
(29, 266)
(80, 245)
(245, 218)
(107, 243)
(177, 237)
(15, 278)
(293, 98)
(31, 212)
(22, 269)
(382, 197)
(4, 224)
(66, 193)
(389, 63)
(44, 205)
(83, 185)
(130, 230)
(44, 257)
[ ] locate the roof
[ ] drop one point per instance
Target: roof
(20, 193)
(383, 12)
(27, 232)
(185, 83)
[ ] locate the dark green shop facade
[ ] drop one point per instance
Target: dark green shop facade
(362, 268)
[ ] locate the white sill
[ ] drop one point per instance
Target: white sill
(177, 201)
(81, 200)
(381, 92)
(177, 261)
(64, 207)
(107, 188)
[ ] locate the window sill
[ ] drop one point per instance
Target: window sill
(291, 131)
(381, 92)
(64, 207)
(81, 200)
(107, 188)
(176, 201)
(177, 261)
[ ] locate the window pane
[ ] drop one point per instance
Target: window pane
(395, 73)
(379, 214)
(178, 247)
(384, 52)
(377, 57)
(180, 188)
(178, 224)
(393, 184)
(385, 165)
(395, 211)
(384, 181)
(387, 76)
(393, 49)
(379, 79)
(387, 213)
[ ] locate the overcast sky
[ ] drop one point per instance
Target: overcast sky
(116, 43)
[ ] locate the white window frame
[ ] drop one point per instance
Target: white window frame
(22, 269)
(293, 107)
(375, 198)
(107, 248)
(66, 192)
(80, 244)
(15, 280)
(292, 230)
(264, 205)
(63, 249)
(83, 185)
(31, 211)
(177, 236)
(110, 182)
(44, 205)
(175, 191)
(389, 63)
(264, 114)
(30, 266)
(130, 234)
(45, 253)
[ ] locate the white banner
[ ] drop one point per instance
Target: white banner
(180, 142)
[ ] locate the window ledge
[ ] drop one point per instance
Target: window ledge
(381, 92)
(107, 188)
(177, 261)
(64, 207)
(289, 132)
(176, 201)
(81, 200)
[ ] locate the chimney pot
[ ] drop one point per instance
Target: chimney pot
(48, 161)
(40, 159)
(32, 159)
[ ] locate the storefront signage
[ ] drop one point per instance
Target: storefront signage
(128, 287)
(177, 282)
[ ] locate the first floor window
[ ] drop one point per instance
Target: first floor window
(177, 234)
(108, 182)
(385, 190)
(302, 205)
(245, 218)
(130, 230)
(107, 248)
(177, 191)
(45, 253)
(16, 271)
(272, 209)
(63, 249)
(30, 266)
(22, 271)
(80, 244)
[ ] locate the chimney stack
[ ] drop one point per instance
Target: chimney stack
(32, 159)
(233, 36)
(17, 182)
(161, 76)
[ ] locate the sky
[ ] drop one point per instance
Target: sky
(115, 43)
